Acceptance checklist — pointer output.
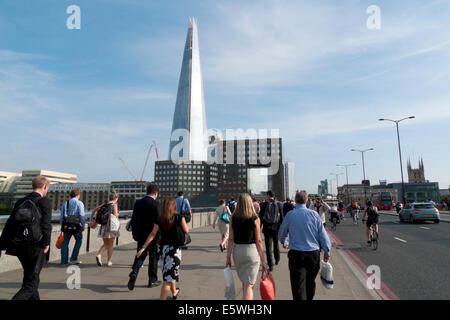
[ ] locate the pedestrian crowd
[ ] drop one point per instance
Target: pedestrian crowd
(161, 232)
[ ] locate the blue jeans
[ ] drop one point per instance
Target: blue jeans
(65, 247)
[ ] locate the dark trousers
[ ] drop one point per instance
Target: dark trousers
(153, 261)
(32, 260)
(271, 237)
(303, 268)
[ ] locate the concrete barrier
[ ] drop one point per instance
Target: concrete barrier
(8, 263)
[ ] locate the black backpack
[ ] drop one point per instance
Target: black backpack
(26, 221)
(372, 212)
(272, 213)
(103, 213)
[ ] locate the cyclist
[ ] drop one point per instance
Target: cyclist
(372, 218)
(341, 209)
(398, 206)
(334, 214)
(354, 211)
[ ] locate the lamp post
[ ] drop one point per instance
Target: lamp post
(337, 181)
(346, 174)
(400, 153)
(364, 170)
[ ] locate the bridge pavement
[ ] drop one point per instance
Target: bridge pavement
(201, 276)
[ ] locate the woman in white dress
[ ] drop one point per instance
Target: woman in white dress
(105, 232)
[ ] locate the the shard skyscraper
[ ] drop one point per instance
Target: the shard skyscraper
(191, 142)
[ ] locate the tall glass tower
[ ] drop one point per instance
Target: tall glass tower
(189, 139)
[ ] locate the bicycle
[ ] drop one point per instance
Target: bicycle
(333, 224)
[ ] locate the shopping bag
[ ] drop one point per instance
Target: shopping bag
(267, 286)
(326, 274)
(60, 240)
(229, 284)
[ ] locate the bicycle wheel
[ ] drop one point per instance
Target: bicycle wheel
(375, 240)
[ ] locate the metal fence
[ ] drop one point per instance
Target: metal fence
(125, 214)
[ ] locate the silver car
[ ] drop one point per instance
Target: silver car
(422, 211)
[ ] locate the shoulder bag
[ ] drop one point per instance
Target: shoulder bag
(114, 223)
(225, 217)
(71, 224)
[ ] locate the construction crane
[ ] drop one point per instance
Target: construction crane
(126, 167)
(148, 155)
(145, 164)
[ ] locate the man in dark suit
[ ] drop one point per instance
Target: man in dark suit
(32, 257)
(287, 206)
(146, 212)
(270, 230)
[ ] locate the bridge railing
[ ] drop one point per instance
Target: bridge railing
(201, 217)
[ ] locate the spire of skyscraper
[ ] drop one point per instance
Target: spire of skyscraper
(190, 113)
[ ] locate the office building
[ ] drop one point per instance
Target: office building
(237, 159)
(91, 194)
(322, 189)
(189, 127)
(129, 192)
(23, 184)
(289, 180)
(198, 181)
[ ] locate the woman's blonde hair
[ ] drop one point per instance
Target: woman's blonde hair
(244, 209)
(113, 195)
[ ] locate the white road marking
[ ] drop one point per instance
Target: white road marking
(400, 239)
(425, 228)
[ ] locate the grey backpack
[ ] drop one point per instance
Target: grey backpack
(272, 214)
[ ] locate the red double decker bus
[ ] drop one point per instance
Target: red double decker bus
(384, 201)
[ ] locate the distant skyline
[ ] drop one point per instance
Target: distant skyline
(77, 100)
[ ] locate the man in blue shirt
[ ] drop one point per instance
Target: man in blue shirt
(183, 203)
(307, 236)
(76, 208)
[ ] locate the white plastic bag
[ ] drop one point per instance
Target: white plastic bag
(229, 284)
(326, 274)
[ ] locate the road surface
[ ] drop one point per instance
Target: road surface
(414, 259)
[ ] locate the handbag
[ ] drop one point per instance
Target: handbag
(225, 217)
(60, 240)
(71, 224)
(114, 223)
(267, 286)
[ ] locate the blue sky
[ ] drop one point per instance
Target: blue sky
(77, 100)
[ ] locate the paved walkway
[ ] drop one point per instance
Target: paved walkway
(201, 276)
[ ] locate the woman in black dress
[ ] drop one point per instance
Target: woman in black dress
(170, 251)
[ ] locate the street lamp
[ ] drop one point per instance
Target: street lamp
(364, 171)
(337, 181)
(346, 174)
(400, 153)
